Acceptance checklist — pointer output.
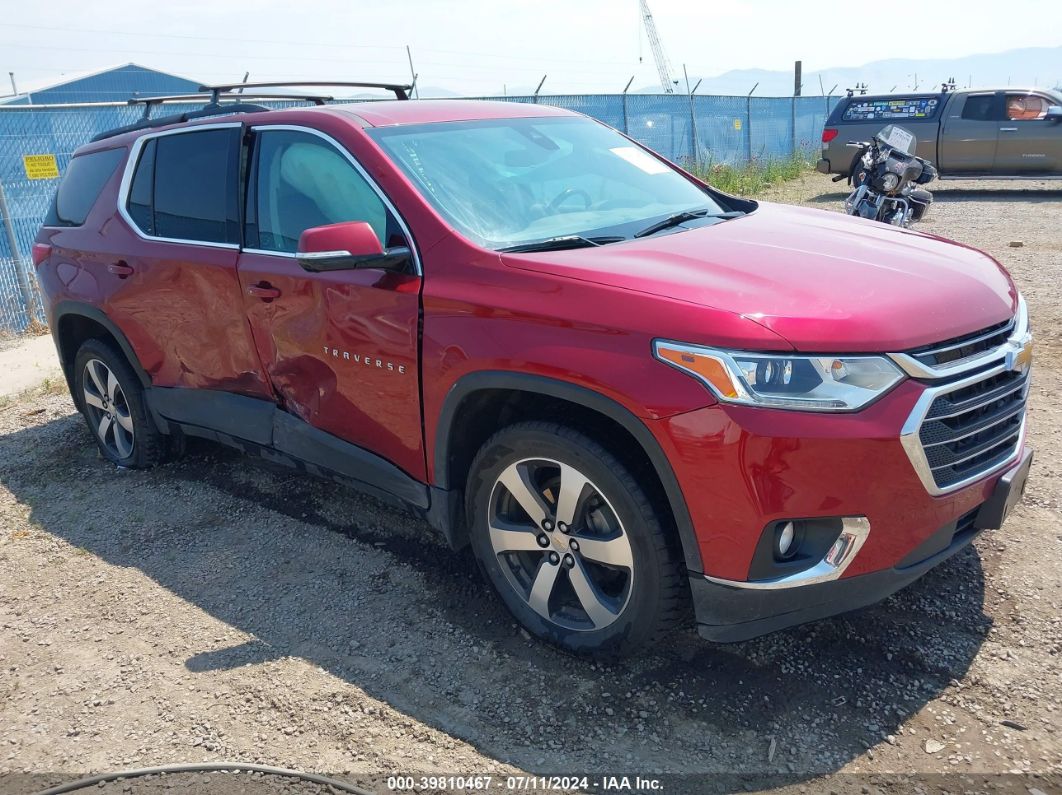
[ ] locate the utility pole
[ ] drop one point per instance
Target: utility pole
(14, 88)
(797, 83)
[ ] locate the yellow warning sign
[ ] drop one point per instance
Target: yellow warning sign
(40, 166)
(737, 124)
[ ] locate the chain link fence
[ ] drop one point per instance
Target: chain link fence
(697, 131)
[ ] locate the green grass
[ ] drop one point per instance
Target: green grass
(751, 179)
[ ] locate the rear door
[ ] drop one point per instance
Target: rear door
(177, 295)
(969, 133)
(340, 347)
(1028, 143)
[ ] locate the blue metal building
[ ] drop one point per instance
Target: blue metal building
(116, 84)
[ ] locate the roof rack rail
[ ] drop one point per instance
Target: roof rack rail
(400, 90)
(213, 95)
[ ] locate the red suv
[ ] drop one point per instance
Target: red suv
(627, 391)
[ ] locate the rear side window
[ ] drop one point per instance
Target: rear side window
(979, 107)
(184, 187)
(85, 177)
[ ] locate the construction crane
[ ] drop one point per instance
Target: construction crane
(663, 68)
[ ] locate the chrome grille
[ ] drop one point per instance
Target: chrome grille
(974, 429)
(956, 350)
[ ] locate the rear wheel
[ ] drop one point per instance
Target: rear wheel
(571, 543)
(111, 398)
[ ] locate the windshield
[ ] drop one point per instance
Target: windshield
(899, 139)
(507, 182)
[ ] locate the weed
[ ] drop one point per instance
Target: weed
(752, 178)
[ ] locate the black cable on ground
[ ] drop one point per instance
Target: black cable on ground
(202, 767)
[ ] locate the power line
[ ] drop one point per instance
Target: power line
(316, 44)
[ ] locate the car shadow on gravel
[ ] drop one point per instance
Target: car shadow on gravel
(948, 193)
(310, 569)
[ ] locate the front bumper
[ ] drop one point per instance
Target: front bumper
(729, 613)
(742, 468)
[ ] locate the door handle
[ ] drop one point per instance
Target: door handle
(263, 290)
(1008, 129)
(121, 269)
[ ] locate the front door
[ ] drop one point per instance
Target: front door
(1028, 143)
(969, 133)
(340, 348)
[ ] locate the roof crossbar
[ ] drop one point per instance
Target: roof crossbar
(213, 95)
(400, 90)
(213, 99)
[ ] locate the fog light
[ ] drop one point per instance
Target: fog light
(783, 545)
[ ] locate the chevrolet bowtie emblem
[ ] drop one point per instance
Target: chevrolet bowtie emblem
(1019, 360)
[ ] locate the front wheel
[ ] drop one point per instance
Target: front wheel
(570, 541)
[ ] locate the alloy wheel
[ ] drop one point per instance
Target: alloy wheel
(560, 544)
(108, 409)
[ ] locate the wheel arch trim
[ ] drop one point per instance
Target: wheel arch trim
(65, 309)
(486, 380)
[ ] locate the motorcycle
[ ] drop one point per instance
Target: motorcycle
(886, 179)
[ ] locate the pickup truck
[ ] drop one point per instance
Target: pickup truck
(1006, 133)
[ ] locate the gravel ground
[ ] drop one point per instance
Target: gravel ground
(219, 608)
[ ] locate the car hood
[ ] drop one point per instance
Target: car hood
(822, 280)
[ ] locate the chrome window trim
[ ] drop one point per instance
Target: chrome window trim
(912, 443)
(365, 175)
(1019, 336)
(854, 532)
(265, 252)
(127, 182)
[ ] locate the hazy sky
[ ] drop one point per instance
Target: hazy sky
(479, 46)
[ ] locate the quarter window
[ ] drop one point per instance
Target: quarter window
(301, 182)
(184, 187)
(85, 177)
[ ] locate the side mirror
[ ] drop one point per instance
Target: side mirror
(347, 246)
(1054, 114)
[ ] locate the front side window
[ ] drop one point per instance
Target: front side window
(301, 181)
(184, 187)
(507, 182)
(1026, 107)
(85, 177)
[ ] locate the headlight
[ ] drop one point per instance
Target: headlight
(785, 381)
(889, 182)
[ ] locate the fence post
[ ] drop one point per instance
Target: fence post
(626, 125)
(29, 298)
(693, 135)
(748, 126)
(792, 126)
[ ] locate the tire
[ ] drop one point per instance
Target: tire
(607, 585)
(857, 173)
(111, 398)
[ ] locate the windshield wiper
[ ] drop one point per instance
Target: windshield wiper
(681, 218)
(561, 243)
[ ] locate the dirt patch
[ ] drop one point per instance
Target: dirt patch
(222, 609)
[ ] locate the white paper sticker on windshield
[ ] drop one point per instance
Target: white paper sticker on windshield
(636, 157)
(900, 139)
